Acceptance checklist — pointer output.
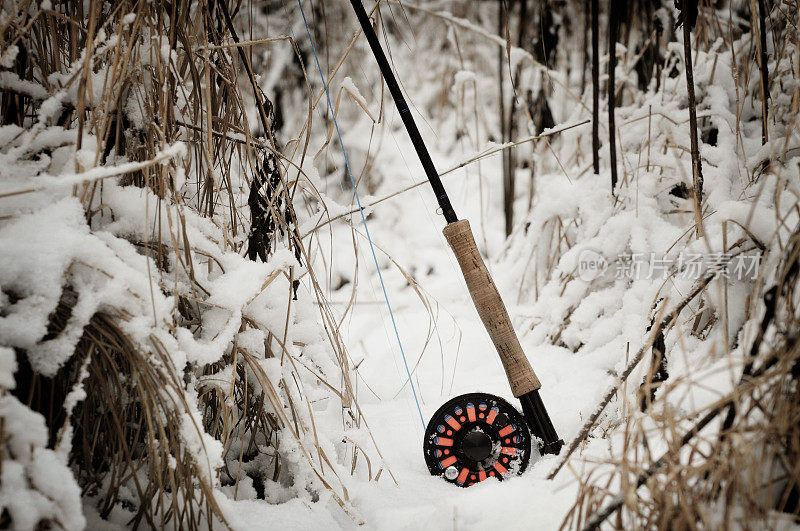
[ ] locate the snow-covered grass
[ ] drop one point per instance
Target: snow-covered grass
(582, 334)
(149, 366)
(153, 374)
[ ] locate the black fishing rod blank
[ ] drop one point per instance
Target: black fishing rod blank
(475, 436)
(405, 114)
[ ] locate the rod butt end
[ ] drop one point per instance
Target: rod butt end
(539, 423)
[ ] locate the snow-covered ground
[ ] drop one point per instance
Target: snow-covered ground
(446, 346)
(450, 353)
(579, 332)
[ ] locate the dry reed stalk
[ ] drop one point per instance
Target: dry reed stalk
(595, 87)
(689, 14)
(764, 70)
(613, 32)
(182, 71)
(747, 468)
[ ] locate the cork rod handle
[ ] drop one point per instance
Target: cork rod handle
(491, 309)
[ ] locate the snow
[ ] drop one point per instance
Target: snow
(44, 181)
(8, 366)
(35, 484)
(11, 81)
(33, 267)
(9, 56)
(578, 333)
(597, 323)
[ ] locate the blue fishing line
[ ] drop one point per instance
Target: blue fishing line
(361, 211)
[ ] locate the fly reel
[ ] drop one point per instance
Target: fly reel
(474, 437)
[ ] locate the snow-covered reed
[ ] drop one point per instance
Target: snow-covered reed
(165, 347)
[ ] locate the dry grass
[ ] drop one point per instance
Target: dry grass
(180, 71)
(134, 78)
(733, 463)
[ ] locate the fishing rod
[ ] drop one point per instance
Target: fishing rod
(477, 435)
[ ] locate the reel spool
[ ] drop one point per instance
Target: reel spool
(474, 437)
